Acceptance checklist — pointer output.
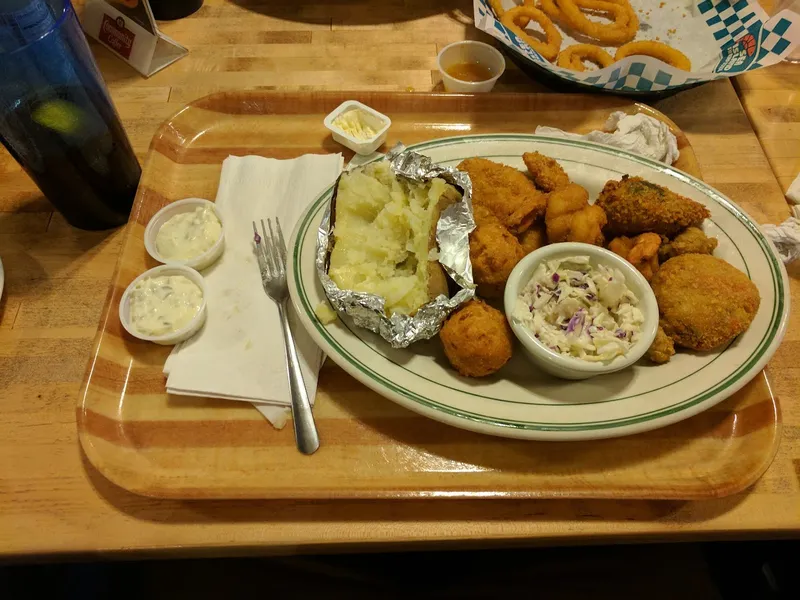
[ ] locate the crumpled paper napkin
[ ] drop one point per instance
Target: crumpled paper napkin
(239, 353)
(637, 133)
(786, 236)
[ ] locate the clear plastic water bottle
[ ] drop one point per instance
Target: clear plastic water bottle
(56, 117)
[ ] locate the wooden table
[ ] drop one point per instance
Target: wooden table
(52, 501)
(771, 98)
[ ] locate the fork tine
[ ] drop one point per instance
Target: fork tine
(264, 253)
(276, 249)
(259, 242)
(281, 241)
(270, 251)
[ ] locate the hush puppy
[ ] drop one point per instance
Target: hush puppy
(477, 339)
(494, 253)
(704, 301)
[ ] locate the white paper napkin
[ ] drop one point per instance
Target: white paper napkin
(637, 133)
(239, 353)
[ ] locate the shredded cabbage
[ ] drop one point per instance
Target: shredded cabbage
(580, 310)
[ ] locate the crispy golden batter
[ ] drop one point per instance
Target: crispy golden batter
(661, 349)
(704, 301)
(635, 206)
(477, 339)
(505, 192)
(533, 239)
(570, 218)
(547, 174)
(691, 240)
(494, 252)
(641, 252)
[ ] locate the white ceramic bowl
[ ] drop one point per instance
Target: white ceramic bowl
(471, 52)
(176, 336)
(378, 121)
(199, 262)
(575, 368)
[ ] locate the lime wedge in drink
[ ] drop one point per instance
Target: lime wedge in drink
(59, 115)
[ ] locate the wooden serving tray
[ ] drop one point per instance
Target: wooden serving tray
(155, 444)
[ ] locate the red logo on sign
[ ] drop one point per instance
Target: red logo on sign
(116, 36)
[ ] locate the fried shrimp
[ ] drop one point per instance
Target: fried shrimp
(547, 174)
(691, 240)
(570, 217)
(641, 252)
(662, 348)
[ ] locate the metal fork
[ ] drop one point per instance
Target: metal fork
(271, 254)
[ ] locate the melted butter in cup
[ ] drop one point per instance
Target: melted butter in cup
(469, 60)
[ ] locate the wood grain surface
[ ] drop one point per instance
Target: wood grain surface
(771, 98)
(158, 445)
(57, 278)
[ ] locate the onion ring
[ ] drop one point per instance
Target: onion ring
(623, 28)
(499, 11)
(573, 56)
(512, 19)
(658, 50)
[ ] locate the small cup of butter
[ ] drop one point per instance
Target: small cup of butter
(186, 232)
(358, 127)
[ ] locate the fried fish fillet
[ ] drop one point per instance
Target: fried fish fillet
(704, 301)
(634, 205)
(570, 217)
(547, 174)
(506, 192)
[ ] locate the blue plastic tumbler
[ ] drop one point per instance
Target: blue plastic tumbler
(56, 117)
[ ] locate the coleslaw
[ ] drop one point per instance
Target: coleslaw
(580, 310)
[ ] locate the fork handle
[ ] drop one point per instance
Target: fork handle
(305, 430)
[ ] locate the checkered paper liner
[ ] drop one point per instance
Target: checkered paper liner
(747, 38)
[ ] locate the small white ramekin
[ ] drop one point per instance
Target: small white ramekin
(378, 121)
(174, 337)
(564, 366)
(472, 52)
(199, 262)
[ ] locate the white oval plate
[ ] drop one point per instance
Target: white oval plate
(520, 401)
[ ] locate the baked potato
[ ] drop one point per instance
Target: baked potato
(384, 236)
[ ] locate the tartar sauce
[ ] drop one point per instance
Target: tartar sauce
(189, 234)
(161, 305)
(353, 123)
(580, 310)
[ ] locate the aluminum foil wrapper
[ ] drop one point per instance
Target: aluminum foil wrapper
(452, 236)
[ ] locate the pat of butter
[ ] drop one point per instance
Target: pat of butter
(353, 123)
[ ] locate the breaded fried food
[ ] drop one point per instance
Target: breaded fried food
(691, 240)
(547, 174)
(662, 348)
(506, 192)
(570, 217)
(494, 252)
(477, 339)
(533, 239)
(704, 301)
(641, 252)
(634, 205)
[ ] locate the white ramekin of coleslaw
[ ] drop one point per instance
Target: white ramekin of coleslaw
(580, 310)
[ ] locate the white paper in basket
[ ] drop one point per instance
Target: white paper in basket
(239, 353)
(722, 38)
